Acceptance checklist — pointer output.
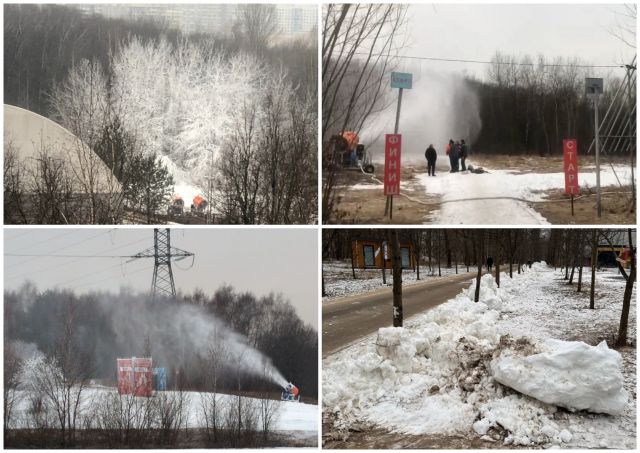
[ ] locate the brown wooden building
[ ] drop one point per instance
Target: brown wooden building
(369, 253)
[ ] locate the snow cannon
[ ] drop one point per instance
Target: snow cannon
(176, 207)
(291, 393)
(199, 205)
(349, 154)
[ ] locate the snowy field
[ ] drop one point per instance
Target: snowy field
(471, 189)
(293, 416)
(438, 375)
(339, 282)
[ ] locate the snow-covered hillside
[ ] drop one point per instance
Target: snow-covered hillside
(292, 416)
(437, 375)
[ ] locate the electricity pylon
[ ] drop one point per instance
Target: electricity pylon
(163, 254)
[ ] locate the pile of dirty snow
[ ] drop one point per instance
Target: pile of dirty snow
(442, 372)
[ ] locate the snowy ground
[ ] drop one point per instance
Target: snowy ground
(434, 377)
(339, 282)
(477, 193)
(293, 416)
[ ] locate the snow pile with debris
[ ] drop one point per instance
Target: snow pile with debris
(571, 374)
(407, 380)
(434, 376)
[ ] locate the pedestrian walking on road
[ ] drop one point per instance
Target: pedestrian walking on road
(489, 263)
(463, 155)
(431, 156)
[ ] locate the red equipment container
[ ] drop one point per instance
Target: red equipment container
(135, 376)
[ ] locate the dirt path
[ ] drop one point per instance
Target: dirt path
(497, 197)
(348, 319)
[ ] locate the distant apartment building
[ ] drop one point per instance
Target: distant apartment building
(293, 20)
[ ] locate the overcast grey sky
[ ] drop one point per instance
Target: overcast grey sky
(476, 32)
(257, 260)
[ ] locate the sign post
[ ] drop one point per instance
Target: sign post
(400, 80)
(594, 87)
(570, 153)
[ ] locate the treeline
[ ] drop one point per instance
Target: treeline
(42, 42)
(234, 117)
(530, 105)
(180, 336)
(570, 250)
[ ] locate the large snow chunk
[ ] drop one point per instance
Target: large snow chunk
(396, 345)
(571, 374)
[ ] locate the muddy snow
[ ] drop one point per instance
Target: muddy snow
(436, 376)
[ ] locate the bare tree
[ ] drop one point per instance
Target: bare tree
(64, 375)
(12, 365)
(257, 25)
(628, 290)
(359, 47)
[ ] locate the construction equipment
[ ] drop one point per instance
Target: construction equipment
(199, 206)
(347, 153)
(176, 208)
(291, 393)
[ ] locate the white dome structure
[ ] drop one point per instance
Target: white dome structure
(77, 186)
(30, 134)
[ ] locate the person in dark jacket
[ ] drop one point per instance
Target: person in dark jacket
(431, 156)
(454, 155)
(489, 263)
(463, 155)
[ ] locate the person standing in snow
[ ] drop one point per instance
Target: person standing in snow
(463, 155)
(489, 263)
(453, 156)
(431, 156)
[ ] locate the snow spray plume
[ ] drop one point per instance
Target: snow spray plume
(107, 326)
(439, 107)
(182, 330)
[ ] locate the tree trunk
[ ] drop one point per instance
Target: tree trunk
(479, 259)
(397, 278)
(594, 258)
(580, 275)
(353, 267)
(626, 301)
(447, 248)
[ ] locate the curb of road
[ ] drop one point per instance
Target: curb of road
(390, 288)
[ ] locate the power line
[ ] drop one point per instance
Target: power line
(112, 277)
(60, 265)
(33, 244)
(44, 255)
(512, 63)
(32, 257)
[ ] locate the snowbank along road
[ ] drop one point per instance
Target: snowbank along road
(496, 197)
(350, 318)
(438, 375)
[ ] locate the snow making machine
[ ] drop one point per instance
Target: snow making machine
(341, 152)
(176, 208)
(199, 206)
(291, 393)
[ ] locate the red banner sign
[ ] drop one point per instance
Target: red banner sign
(570, 150)
(392, 146)
(135, 377)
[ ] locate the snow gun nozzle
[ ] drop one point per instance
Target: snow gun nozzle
(291, 392)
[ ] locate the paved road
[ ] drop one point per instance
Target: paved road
(347, 319)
